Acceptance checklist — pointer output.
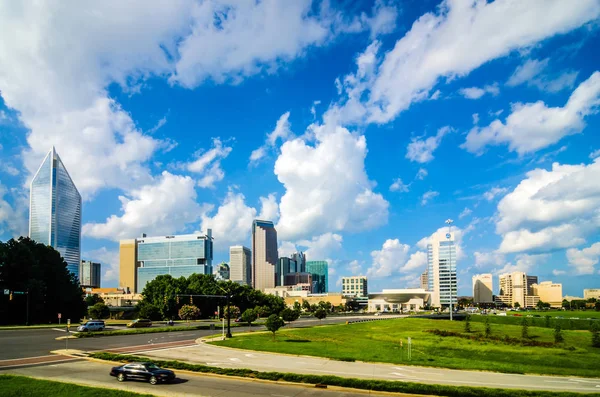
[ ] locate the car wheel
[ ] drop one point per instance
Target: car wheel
(153, 380)
(121, 377)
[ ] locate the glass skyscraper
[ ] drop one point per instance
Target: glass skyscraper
(55, 210)
(320, 276)
(441, 270)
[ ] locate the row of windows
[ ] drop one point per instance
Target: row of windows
(174, 250)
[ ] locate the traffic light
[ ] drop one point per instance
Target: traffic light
(165, 299)
(10, 296)
(191, 300)
(177, 299)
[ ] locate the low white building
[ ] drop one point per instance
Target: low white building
(397, 300)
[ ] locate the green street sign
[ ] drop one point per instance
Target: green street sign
(19, 292)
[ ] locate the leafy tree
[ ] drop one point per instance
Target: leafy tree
(274, 322)
(249, 316)
(289, 315)
(558, 336)
(566, 304)
(324, 305)
(91, 300)
(595, 330)
(189, 312)
(468, 323)
(99, 310)
(28, 266)
(488, 328)
(297, 307)
(517, 305)
(524, 328)
(306, 306)
(232, 313)
(261, 311)
(540, 305)
(148, 310)
(341, 308)
(320, 313)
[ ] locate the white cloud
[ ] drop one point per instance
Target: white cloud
(524, 263)
(594, 154)
(269, 208)
(493, 192)
(399, 186)
(164, 207)
(286, 248)
(418, 260)
(583, 261)
(313, 108)
(551, 209)
(389, 259)
(282, 131)
(441, 234)
(209, 164)
(355, 267)
(458, 38)
(465, 212)
(476, 92)
(428, 196)
(421, 151)
(108, 259)
(475, 118)
(530, 73)
(557, 272)
(327, 187)
(421, 174)
(534, 126)
(158, 125)
(14, 219)
(488, 259)
(322, 247)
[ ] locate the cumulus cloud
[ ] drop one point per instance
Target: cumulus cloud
(550, 209)
(583, 261)
(428, 196)
(557, 272)
(421, 150)
(322, 247)
(282, 131)
(465, 212)
(421, 174)
(417, 260)
(208, 164)
(524, 263)
(488, 259)
(530, 73)
(109, 261)
(476, 92)
(493, 192)
(399, 186)
(326, 186)
(13, 214)
(534, 126)
(163, 207)
(389, 259)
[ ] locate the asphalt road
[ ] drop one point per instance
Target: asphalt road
(24, 343)
(96, 374)
(236, 358)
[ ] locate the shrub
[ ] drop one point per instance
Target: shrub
(99, 310)
(488, 328)
(558, 336)
(189, 312)
(249, 316)
(468, 323)
(289, 315)
(595, 334)
(274, 322)
(524, 328)
(320, 313)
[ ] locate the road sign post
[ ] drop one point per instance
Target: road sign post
(67, 338)
(409, 348)
(59, 316)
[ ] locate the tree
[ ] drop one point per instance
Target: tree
(320, 313)
(468, 323)
(249, 316)
(566, 304)
(488, 328)
(306, 305)
(189, 312)
(27, 266)
(289, 315)
(274, 322)
(558, 336)
(297, 307)
(99, 310)
(232, 313)
(91, 300)
(517, 305)
(524, 328)
(148, 310)
(595, 330)
(540, 305)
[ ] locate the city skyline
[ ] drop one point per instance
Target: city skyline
(357, 134)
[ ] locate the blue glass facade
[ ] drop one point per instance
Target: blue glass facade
(320, 276)
(175, 255)
(55, 211)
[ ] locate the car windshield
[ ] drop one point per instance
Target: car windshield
(151, 366)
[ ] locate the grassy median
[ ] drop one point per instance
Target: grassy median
(17, 386)
(380, 341)
(362, 384)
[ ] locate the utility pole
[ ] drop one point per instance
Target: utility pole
(228, 317)
(27, 310)
(449, 237)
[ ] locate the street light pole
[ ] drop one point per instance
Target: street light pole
(449, 236)
(228, 312)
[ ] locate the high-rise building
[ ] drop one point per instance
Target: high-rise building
(285, 266)
(530, 281)
(145, 258)
(298, 278)
(513, 290)
(223, 271)
(482, 288)
(591, 293)
(264, 254)
(441, 269)
(240, 264)
(320, 276)
(299, 258)
(355, 285)
(424, 280)
(55, 210)
(89, 274)
(548, 292)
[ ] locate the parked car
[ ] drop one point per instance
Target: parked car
(92, 325)
(148, 372)
(238, 320)
(139, 323)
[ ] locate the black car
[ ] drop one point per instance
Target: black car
(142, 371)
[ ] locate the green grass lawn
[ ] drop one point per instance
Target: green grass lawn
(17, 386)
(566, 319)
(379, 341)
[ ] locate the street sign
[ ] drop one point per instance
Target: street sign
(59, 316)
(68, 321)
(6, 292)
(19, 292)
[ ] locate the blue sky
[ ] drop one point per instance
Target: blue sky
(357, 129)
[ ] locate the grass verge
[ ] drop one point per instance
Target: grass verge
(17, 386)
(386, 341)
(540, 320)
(362, 384)
(132, 331)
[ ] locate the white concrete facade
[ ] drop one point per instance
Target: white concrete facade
(549, 292)
(396, 300)
(355, 285)
(441, 269)
(240, 264)
(482, 288)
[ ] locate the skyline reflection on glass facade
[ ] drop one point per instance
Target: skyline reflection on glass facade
(55, 211)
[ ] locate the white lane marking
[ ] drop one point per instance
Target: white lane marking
(59, 329)
(249, 355)
(234, 359)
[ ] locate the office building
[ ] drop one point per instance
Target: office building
(441, 269)
(292, 279)
(514, 289)
(145, 258)
(355, 286)
(240, 265)
(530, 281)
(482, 288)
(223, 272)
(55, 210)
(398, 300)
(264, 254)
(591, 293)
(548, 292)
(424, 280)
(89, 274)
(299, 259)
(320, 276)
(285, 266)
